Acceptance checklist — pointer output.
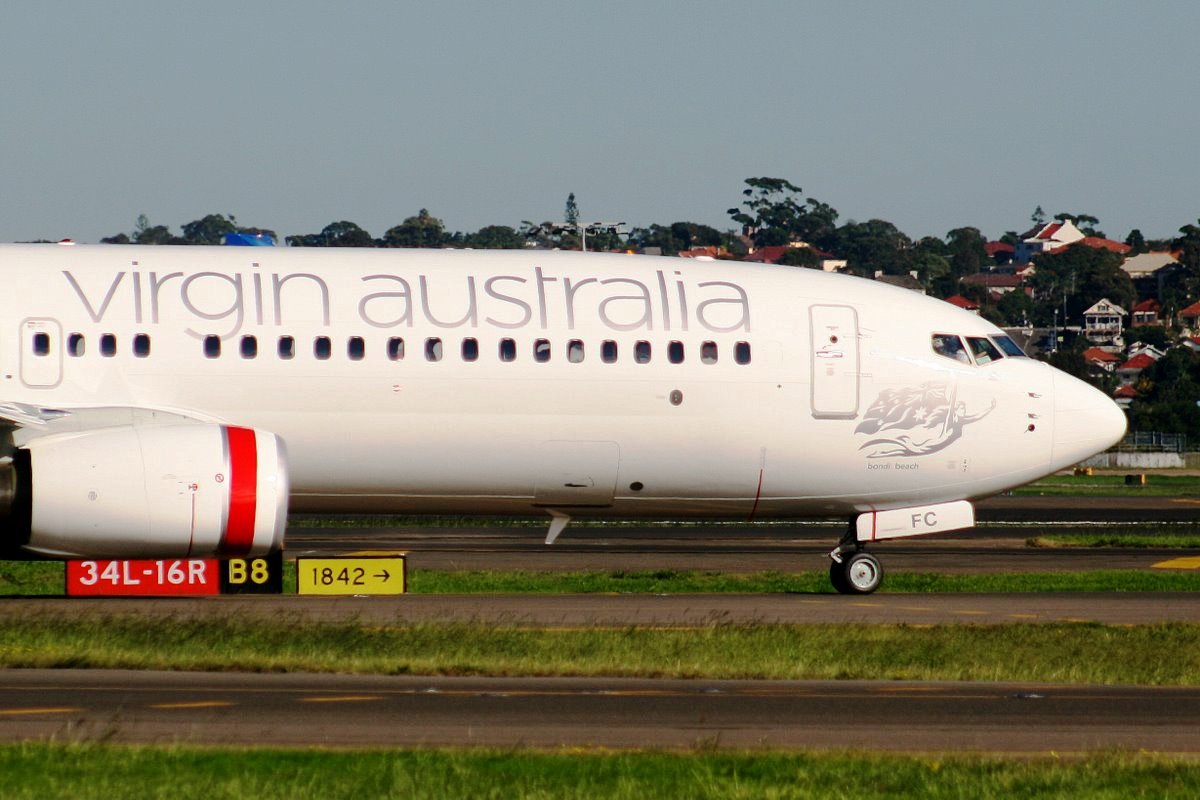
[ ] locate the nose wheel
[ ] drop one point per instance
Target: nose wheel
(857, 573)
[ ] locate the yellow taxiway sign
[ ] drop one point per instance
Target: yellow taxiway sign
(353, 575)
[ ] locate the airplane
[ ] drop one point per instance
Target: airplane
(166, 402)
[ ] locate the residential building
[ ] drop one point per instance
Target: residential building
(1104, 321)
(1050, 236)
(1146, 313)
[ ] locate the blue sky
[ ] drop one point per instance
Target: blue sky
(932, 115)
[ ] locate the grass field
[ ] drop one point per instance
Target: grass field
(110, 772)
(1117, 539)
(1157, 485)
(1057, 653)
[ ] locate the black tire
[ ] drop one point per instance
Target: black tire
(860, 573)
(838, 577)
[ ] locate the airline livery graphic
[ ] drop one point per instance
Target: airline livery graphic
(917, 421)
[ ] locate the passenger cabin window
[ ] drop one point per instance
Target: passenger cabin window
(675, 352)
(75, 345)
(356, 348)
(984, 351)
(741, 353)
(541, 350)
(433, 349)
(395, 348)
(575, 351)
(41, 344)
(1009, 347)
(470, 349)
(708, 353)
(287, 347)
(322, 347)
(508, 350)
(641, 352)
(108, 345)
(949, 346)
(608, 351)
(212, 346)
(141, 345)
(249, 347)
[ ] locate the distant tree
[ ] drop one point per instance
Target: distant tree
(571, 211)
(210, 229)
(145, 233)
(1070, 360)
(800, 257)
(495, 237)
(1011, 237)
(1038, 217)
(1188, 242)
(677, 236)
(874, 245)
(1167, 393)
(929, 259)
(1136, 241)
(776, 214)
(335, 234)
(1155, 335)
(1077, 278)
(421, 230)
(967, 248)
(1015, 308)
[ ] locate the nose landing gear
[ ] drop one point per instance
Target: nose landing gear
(854, 570)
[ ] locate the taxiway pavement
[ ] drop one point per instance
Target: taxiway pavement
(337, 710)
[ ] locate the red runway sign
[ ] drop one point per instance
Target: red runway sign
(183, 577)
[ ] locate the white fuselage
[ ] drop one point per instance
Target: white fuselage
(834, 413)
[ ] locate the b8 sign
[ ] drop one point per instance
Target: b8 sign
(262, 575)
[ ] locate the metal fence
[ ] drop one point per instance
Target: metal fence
(1152, 442)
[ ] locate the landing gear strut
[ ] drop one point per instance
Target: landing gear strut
(854, 570)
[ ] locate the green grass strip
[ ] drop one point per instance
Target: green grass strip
(1062, 653)
(1157, 485)
(113, 772)
(40, 578)
(1127, 540)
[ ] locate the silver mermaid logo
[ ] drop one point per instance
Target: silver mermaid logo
(916, 422)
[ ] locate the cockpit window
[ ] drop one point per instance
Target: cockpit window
(984, 351)
(1009, 347)
(950, 346)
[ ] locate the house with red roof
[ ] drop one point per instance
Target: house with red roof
(1000, 252)
(1100, 360)
(1189, 315)
(1048, 237)
(963, 303)
(773, 253)
(1131, 369)
(709, 251)
(1146, 313)
(994, 281)
(1096, 243)
(1124, 395)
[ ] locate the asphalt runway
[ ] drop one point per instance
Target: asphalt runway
(335, 710)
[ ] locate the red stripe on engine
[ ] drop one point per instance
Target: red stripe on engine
(243, 491)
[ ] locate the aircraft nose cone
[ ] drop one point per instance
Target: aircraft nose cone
(1086, 421)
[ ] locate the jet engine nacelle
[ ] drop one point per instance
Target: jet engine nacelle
(171, 491)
